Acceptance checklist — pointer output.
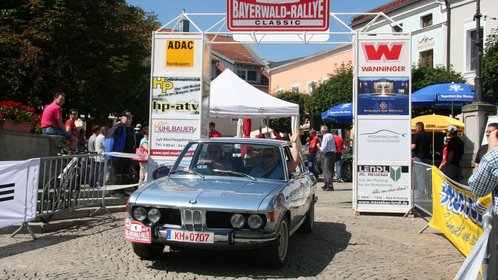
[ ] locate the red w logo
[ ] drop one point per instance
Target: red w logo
(382, 50)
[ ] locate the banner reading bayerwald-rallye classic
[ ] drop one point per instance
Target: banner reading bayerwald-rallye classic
(382, 162)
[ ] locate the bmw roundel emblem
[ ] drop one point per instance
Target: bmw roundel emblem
(193, 201)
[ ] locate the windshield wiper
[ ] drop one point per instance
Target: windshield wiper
(188, 171)
(241, 174)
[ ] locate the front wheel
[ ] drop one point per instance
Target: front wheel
(275, 253)
(148, 251)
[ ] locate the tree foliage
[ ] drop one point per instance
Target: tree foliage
(423, 76)
(284, 124)
(337, 89)
(490, 69)
(94, 51)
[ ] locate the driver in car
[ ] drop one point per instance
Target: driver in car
(214, 158)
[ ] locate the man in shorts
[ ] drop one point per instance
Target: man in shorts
(51, 120)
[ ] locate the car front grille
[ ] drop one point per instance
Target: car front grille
(193, 219)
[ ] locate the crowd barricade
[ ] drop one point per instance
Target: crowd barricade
(70, 182)
(422, 187)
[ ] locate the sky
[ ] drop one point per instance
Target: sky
(169, 10)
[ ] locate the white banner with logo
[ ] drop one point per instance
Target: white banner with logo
(18, 191)
(179, 96)
(382, 114)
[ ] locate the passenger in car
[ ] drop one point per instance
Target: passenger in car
(272, 167)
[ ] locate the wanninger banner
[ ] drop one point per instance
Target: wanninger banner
(457, 213)
(18, 191)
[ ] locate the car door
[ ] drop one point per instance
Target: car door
(298, 190)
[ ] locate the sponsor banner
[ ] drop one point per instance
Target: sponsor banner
(137, 232)
(377, 139)
(457, 213)
(278, 15)
(176, 97)
(383, 185)
(18, 191)
(176, 55)
(383, 96)
(384, 56)
(169, 136)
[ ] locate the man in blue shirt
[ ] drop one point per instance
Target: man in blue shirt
(485, 180)
(327, 147)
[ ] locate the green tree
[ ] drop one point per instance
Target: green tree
(94, 51)
(337, 89)
(490, 69)
(423, 76)
(284, 124)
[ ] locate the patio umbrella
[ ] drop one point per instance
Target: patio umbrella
(437, 123)
(444, 96)
(341, 113)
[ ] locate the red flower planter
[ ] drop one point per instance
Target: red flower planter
(11, 125)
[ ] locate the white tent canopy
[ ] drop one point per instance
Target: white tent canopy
(232, 97)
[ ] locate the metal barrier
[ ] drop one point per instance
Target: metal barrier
(70, 182)
(422, 187)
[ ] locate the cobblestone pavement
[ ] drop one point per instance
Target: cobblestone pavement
(343, 246)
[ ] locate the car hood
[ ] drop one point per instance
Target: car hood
(221, 194)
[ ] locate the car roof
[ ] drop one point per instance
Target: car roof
(237, 140)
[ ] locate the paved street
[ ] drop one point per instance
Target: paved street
(343, 246)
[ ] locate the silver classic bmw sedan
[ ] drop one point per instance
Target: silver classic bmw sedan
(226, 193)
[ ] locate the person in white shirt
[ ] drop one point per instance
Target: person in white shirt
(100, 160)
(93, 137)
(327, 147)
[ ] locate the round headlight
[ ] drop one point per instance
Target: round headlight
(237, 221)
(254, 221)
(154, 215)
(139, 213)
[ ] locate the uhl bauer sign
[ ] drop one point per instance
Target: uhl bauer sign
(278, 15)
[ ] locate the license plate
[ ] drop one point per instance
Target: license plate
(190, 236)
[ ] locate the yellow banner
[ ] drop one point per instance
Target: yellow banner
(456, 213)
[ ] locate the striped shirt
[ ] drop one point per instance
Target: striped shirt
(485, 180)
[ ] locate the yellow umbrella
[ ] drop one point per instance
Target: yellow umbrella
(437, 123)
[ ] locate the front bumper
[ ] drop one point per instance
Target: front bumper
(223, 239)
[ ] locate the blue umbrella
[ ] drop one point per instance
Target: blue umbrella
(341, 113)
(444, 95)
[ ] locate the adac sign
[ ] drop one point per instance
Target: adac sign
(180, 53)
(278, 15)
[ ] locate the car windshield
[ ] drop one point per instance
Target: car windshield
(252, 161)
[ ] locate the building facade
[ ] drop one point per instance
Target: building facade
(443, 32)
(304, 74)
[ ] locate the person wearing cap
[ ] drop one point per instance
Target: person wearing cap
(451, 168)
(120, 138)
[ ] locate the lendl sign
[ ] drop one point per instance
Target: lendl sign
(278, 15)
